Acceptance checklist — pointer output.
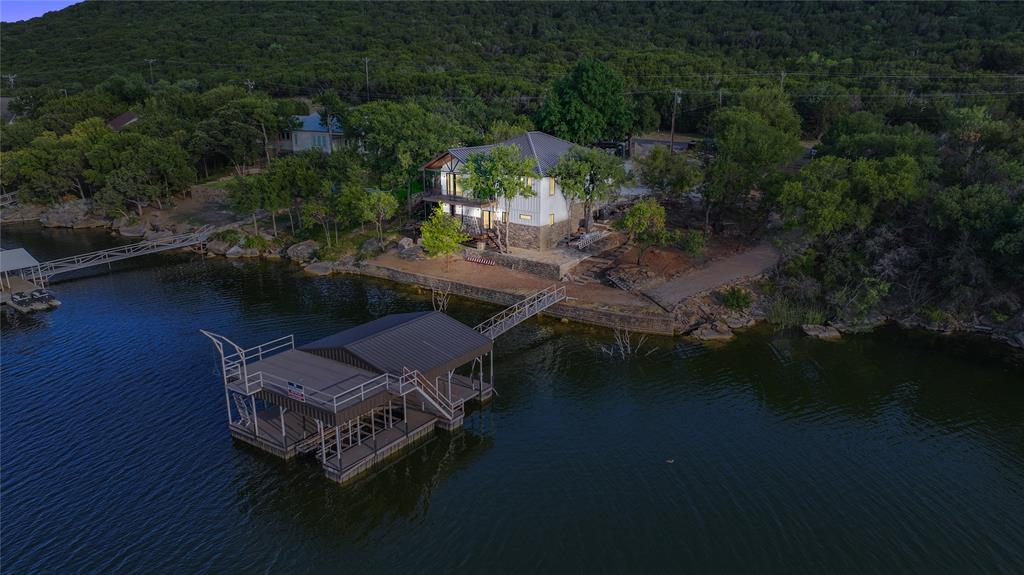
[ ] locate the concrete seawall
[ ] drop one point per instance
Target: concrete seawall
(639, 323)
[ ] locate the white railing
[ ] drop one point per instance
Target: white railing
(589, 238)
(44, 271)
(520, 312)
(432, 393)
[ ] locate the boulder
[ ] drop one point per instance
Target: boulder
(320, 268)
(738, 321)
(825, 332)
(156, 235)
(303, 251)
(715, 331)
(412, 252)
(372, 247)
(234, 252)
(136, 231)
(250, 253)
(89, 223)
(218, 247)
(405, 243)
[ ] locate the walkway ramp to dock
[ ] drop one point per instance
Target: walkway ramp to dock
(42, 273)
(521, 311)
(8, 199)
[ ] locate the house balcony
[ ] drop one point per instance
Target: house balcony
(437, 195)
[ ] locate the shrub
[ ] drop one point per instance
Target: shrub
(258, 242)
(692, 242)
(737, 298)
(229, 236)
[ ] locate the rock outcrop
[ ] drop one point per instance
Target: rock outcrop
(303, 251)
(825, 332)
(75, 214)
(713, 331)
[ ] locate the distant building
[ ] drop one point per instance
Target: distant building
(119, 123)
(310, 133)
(538, 222)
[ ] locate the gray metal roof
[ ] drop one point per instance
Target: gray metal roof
(313, 372)
(16, 259)
(430, 342)
(544, 148)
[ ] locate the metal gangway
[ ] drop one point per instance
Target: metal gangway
(522, 311)
(8, 199)
(42, 273)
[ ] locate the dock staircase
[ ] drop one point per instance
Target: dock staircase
(41, 274)
(521, 311)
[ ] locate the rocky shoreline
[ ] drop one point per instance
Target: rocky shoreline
(704, 317)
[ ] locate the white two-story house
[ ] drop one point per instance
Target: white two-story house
(309, 133)
(538, 222)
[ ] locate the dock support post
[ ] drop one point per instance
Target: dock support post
(255, 420)
(405, 415)
(492, 369)
(284, 434)
(227, 400)
(323, 442)
(337, 443)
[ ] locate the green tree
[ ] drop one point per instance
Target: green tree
(500, 174)
(588, 105)
(379, 206)
(248, 195)
(747, 151)
(443, 235)
(644, 221)
(399, 137)
(668, 175)
(590, 176)
(332, 109)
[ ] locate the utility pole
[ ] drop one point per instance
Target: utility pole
(719, 96)
(10, 79)
(250, 85)
(676, 97)
(366, 65)
(151, 61)
(782, 80)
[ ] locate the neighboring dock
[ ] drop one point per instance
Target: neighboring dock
(356, 398)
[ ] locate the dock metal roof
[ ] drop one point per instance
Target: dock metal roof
(430, 342)
(16, 259)
(313, 372)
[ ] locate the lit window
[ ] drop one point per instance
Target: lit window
(525, 217)
(551, 219)
(551, 187)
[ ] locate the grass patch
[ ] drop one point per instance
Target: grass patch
(784, 312)
(228, 236)
(737, 299)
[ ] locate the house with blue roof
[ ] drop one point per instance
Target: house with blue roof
(310, 133)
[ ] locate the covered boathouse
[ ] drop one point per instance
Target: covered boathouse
(358, 396)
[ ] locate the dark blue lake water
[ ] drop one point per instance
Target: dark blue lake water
(774, 454)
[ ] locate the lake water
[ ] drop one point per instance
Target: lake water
(774, 454)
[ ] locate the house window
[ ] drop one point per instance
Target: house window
(551, 187)
(525, 217)
(551, 219)
(458, 184)
(320, 141)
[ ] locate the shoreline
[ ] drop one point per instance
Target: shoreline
(703, 324)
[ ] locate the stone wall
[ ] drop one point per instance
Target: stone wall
(546, 270)
(661, 324)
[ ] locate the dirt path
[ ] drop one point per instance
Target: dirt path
(749, 263)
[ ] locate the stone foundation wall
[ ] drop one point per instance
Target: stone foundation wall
(551, 271)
